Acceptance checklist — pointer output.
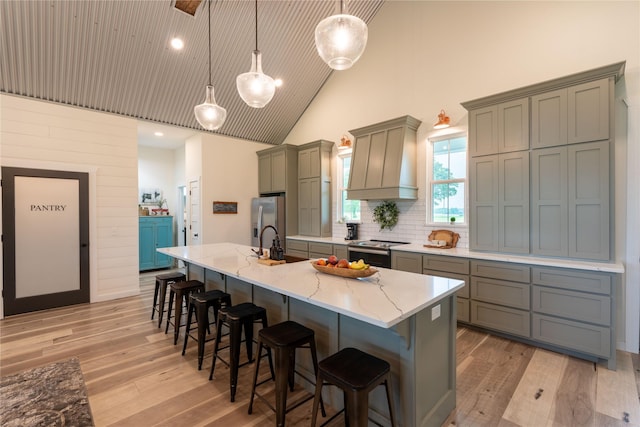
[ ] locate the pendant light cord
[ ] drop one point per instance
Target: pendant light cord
(209, 42)
(256, 24)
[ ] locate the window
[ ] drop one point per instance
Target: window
(447, 178)
(348, 210)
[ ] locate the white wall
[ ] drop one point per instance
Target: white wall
(424, 56)
(228, 168)
(156, 170)
(44, 135)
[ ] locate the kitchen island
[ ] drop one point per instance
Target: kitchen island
(405, 318)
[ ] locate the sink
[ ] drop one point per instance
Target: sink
(291, 259)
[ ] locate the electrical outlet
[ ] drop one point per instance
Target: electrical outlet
(435, 312)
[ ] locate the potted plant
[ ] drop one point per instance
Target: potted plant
(159, 210)
(452, 220)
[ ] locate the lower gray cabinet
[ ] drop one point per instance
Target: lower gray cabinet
(574, 309)
(298, 248)
(500, 318)
(341, 251)
(455, 268)
(320, 250)
(406, 261)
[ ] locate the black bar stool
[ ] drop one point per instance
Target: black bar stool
(284, 338)
(181, 291)
(237, 317)
(200, 303)
(356, 373)
(162, 282)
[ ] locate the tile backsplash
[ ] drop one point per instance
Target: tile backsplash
(411, 227)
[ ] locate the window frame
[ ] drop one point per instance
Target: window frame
(429, 177)
(342, 154)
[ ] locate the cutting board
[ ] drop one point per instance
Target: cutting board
(447, 235)
(271, 262)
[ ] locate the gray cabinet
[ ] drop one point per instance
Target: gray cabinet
(500, 296)
(341, 251)
(454, 268)
(314, 189)
(579, 113)
(406, 261)
(298, 248)
(278, 174)
(570, 200)
(499, 128)
(570, 131)
(320, 250)
(574, 309)
(383, 163)
(499, 201)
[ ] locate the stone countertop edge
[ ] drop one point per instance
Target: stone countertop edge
(332, 240)
(605, 267)
(384, 299)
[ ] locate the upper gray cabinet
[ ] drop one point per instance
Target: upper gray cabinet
(383, 164)
(501, 128)
(560, 130)
(579, 113)
(314, 188)
(277, 167)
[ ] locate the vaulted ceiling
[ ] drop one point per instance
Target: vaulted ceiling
(115, 57)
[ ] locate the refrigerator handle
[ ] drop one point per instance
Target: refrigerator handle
(259, 218)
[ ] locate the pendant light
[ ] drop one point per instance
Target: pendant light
(341, 39)
(255, 87)
(209, 114)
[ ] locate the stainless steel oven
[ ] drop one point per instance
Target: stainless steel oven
(376, 253)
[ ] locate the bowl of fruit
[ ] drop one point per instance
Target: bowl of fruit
(343, 268)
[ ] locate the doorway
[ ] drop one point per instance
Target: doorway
(45, 222)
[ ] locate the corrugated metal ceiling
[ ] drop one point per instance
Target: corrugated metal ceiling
(114, 56)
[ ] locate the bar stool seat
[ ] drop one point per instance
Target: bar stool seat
(284, 338)
(200, 303)
(181, 292)
(162, 282)
(356, 373)
(236, 318)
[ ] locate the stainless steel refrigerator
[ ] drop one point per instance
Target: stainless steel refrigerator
(267, 211)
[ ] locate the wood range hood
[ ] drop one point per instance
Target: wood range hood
(383, 163)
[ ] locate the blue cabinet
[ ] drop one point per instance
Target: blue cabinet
(154, 232)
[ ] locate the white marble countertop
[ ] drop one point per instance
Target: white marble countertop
(520, 259)
(384, 299)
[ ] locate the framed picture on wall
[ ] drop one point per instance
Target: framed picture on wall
(225, 207)
(149, 196)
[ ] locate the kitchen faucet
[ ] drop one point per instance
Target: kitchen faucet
(259, 251)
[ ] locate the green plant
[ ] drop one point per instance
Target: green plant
(161, 202)
(452, 219)
(386, 214)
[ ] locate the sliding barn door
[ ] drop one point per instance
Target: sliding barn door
(46, 239)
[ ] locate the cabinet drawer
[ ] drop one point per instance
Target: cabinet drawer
(501, 270)
(572, 305)
(511, 294)
(406, 261)
(313, 255)
(297, 245)
(573, 335)
(321, 248)
(464, 292)
(463, 309)
(445, 263)
(341, 251)
(500, 318)
(300, 254)
(573, 280)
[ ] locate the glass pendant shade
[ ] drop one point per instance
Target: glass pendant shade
(340, 40)
(209, 114)
(255, 87)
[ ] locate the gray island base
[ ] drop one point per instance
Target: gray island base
(404, 318)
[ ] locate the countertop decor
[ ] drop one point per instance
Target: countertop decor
(344, 272)
(386, 214)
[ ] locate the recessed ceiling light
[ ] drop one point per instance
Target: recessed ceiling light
(158, 134)
(278, 82)
(177, 43)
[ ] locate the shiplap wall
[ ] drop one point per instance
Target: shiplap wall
(41, 135)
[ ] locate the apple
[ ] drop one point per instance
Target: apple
(321, 262)
(333, 260)
(343, 263)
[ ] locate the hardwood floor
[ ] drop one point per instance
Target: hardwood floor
(135, 376)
